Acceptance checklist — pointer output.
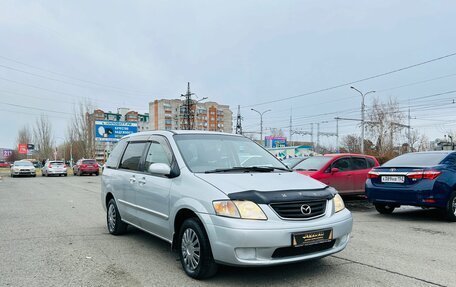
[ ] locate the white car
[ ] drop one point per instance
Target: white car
(54, 168)
(22, 167)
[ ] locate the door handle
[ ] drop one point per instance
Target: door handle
(132, 179)
(142, 181)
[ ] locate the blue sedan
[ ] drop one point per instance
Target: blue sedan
(426, 179)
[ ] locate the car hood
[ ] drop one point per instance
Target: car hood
(260, 181)
(306, 172)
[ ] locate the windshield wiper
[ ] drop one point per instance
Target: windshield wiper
(246, 169)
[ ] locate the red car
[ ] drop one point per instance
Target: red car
(345, 172)
(4, 164)
(86, 166)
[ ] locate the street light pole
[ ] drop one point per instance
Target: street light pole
(362, 114)
(261, 121)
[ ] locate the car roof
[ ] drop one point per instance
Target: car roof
(347, 154)
(177, 132)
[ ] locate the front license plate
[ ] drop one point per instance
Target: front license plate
(312, 237)
(393, 179)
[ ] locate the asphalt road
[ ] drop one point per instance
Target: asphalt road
(53, 233)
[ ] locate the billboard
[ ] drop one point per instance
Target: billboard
(22, 149)
(6, 153)
(111, 131)
(273, 142)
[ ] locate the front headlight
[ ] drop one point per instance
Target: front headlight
(338, 203)
(239, 209)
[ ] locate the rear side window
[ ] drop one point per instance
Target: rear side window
(359, 163)
(370, 162)
(116, 154)
(132, 155)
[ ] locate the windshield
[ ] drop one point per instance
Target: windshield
(203, 153)
(23, 163)
(313, 163)
(416, 159)
(56, 162)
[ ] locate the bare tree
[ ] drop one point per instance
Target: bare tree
(24, 136)
(385, 122)
(351, 143)
(43, 139)
(80, 131)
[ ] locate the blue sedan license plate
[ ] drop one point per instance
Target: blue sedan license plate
(312, 237)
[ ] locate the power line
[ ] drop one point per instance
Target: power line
(353, 82)
(34, 108)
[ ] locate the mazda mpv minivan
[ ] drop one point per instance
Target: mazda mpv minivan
(220, 199)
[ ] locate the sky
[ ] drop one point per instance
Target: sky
(55, 54)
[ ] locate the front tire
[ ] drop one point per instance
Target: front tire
(113, 220)
(384, 208)
(195, 250)
(451, 208)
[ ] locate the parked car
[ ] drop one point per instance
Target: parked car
(426, 179)
(294, 161)
(4, 164)
(345, 172)
(54, 167)
(86, 166)
(22, 167)
(190, 189)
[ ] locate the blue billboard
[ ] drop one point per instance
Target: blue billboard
(111, 131)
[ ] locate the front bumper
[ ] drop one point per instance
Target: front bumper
(243, 242)
(31, 172)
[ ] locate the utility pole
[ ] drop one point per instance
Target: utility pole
(291, 124)
(312, 135)
(188, 108)
(409, 135)
(239, 121)
(317, 147)
(362, 115)
(337, 135)
(261, 122)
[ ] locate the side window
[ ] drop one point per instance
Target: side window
(115, 155)
(132, 155)
(343, 164)
(157, 153)
(370, 162)
(450, 160)
(359, 163)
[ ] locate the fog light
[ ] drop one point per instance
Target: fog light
(246, 253)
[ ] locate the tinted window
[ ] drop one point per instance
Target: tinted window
(313, 163)
(370, 162)
(359, 163)
(116, 154)
(157, 153)
(90, 161)
(343, 164)
(416, 159)
(450, 160)
(132, 155)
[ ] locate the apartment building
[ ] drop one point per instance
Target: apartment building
(170, 114)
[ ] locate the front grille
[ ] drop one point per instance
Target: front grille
(292, 210)
(302, 250)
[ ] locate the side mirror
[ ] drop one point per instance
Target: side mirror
(334, 170)
(160, 168)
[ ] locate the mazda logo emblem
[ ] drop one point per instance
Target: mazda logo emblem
(305, 209)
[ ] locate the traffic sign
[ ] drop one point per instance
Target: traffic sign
(22, 149)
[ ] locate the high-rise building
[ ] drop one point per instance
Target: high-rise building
(172, 115)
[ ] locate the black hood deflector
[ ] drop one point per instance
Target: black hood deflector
(267, 197)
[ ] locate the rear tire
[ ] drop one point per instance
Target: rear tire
(97, 173)
(384, 208)
(113, 220)
(195, 250)
(451, 208)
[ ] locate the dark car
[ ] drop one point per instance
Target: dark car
(426, 179)
(345, 172)
(86, 166)
(293, 161)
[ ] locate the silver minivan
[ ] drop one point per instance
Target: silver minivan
(220, 199)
